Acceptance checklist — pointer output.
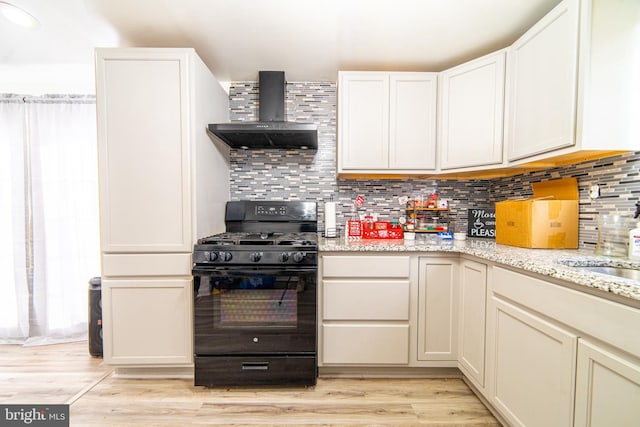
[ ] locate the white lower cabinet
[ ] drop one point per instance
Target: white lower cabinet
(147, 321)
(540, 353)
(365, 301)
(471, 332)
(560, 357)
(437, 327)
(607, 388)
(533, 368)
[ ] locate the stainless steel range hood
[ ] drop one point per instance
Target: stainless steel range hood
(271, 131)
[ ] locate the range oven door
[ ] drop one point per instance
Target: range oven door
(254, 310)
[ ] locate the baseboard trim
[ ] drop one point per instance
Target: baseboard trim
(154, 372)
(383, 372)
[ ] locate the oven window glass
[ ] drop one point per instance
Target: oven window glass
(257, 300)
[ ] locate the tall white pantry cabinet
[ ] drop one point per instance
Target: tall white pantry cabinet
(163, 183)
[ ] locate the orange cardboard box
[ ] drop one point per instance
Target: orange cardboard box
(547, 220)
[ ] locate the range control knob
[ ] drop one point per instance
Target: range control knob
(298, 256)
(211, 256)
(284, 257)
(255, 256)
(225, 256)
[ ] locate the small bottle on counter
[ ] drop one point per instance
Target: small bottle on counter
(368, 222)
(354, 226)
(634, 243)
(433, 199)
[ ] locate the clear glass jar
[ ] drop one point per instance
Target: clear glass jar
(613, 234)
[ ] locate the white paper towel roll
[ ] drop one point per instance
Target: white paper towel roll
(330, 219)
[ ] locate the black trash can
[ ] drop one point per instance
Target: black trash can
(95, 316)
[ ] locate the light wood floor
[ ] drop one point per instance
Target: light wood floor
(66, 373)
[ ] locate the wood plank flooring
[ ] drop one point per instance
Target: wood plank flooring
(66, 373)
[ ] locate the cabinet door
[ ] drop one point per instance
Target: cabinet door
(473, 298)
(412, 121)
(145, 198)
(363, 120)
(437, 309)
(158, 335)
(533, 368)
(543, 84)
(607, 388)
(471, 113)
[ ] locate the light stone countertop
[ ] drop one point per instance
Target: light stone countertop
(555, 263)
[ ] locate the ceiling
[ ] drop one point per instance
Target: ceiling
(308, 39)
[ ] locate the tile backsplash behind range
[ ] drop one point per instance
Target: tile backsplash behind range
(303, 175)
(311, 175)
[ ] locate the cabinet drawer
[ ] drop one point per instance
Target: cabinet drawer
(365, 300)
(613, 323)
(121, 265)
(365, 344)
(365, 266)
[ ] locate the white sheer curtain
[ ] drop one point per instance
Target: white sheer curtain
(14, 295)
(62, 215)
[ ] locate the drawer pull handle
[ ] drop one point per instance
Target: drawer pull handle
(255, 366)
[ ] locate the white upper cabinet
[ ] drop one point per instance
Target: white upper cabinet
(363, 120)
(543, 81)
(571, 82)
(471, 111)
(144, 154)
(153, 106)
(386, 122)
(566, 91)
(412, 121)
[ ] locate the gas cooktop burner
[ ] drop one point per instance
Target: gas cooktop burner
(269, 233)
(280, 239)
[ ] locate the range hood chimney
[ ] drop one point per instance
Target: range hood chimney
(271, 131)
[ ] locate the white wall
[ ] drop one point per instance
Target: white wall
(43, 79)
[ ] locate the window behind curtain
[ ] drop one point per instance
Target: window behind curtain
(61, 211)
(14, 298)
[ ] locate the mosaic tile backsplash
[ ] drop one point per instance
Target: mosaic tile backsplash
(311, 175)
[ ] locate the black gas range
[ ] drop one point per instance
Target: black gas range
(255, 297)
(266, 248)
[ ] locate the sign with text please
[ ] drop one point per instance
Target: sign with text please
(481, 223)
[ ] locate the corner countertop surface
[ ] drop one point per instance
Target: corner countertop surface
(556, 263)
